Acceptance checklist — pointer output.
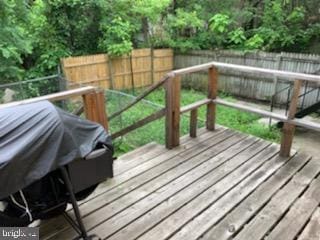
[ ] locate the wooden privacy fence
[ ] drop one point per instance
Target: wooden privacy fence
(172, 110)
(251, 85)
(141, 68)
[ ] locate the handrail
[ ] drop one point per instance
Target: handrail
(290, 86)
(307, 92)
(173, 75)
(195, 105)
(280, 117)
(173, 101)
(303, 95)
(141, 96)
(282, 90)
(173, 110)
(152, 117)
(278, 73)
(94, 103)
(52, 97)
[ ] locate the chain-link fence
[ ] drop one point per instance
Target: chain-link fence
(154, 131)
(39, 87)
(30, 88)
(115, 100)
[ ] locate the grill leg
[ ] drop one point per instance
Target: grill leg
(79, 225)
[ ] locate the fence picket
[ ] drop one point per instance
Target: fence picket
(138, 69)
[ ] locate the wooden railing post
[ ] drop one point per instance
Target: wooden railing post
(95, 108)
(193, 122)
(212, 94)
(172, 87)
(289, 129)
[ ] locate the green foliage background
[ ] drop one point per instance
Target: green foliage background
(35, 34)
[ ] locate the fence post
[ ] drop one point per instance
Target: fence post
(212, 94)
(95, 109)
(110, 70)
(132, 73)
(172, 87)
(152, 64)
(289, 129)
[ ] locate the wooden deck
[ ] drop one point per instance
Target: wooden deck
(220, 185)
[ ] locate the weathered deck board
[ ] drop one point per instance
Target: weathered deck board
(312, 230)
(241, 162)
(220, 185)
(219, 143)
(235, 220)
(299, 214)
(139, 175)
(272, 213)
(213, 170)
(137, 159)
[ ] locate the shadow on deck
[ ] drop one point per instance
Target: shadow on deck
(220, 185)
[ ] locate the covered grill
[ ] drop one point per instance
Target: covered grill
(38, 139)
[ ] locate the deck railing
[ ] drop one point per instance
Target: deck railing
(173, 110)
(93, 102)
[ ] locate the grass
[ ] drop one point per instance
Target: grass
(231, 118)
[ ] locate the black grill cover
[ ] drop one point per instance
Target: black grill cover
(38, 138)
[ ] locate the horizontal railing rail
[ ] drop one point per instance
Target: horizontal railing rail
(140, 97)
(173, 102)
(152, 117)
(93, 102)
(53, 97)
(292, 76)
(94, 105)
(172, 111)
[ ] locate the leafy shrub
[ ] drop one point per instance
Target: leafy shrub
(13, 39)
(219, 23)
(237, 37)
(255, 42)
(34, 35)
(116, 37)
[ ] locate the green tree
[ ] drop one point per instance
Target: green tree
(59, 28)
(150, 12)
(183, 28)
(283, 28)
(116, 38)
(13, 42)
(35, 34)
(124, 22)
